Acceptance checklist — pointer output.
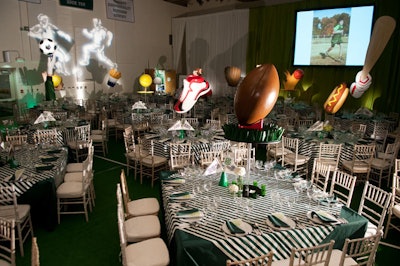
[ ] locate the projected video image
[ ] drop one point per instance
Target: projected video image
(99, 39)
(46, 30)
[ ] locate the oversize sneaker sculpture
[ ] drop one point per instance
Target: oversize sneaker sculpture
(194, 86)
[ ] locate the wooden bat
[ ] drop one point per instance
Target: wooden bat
(383, 29)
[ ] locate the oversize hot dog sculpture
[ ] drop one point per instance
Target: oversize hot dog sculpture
(336, 99)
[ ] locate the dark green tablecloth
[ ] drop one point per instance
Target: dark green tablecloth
(354, 229)
(43, 201)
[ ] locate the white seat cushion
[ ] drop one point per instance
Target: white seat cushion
(145, 206)
(151, 252)
(4, 263)
(291, 159)
(142, 227)
(7, 211)
(335, 259)
(74, 167)
(371, 230)
(396, 210)
(70, 190)
(158, 160)
(73, 177)
(358, 167)
(98, 138)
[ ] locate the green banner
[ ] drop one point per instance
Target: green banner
(85, 4)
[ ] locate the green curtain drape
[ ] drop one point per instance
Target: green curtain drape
(271, 40)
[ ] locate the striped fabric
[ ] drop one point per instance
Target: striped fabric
(162, 148)
(251, 245)
(31, 176)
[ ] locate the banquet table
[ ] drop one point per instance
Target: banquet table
(37, 187)
(198, 144)
(204, 242)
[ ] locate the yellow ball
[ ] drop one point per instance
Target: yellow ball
(56, 80)
(145, 80)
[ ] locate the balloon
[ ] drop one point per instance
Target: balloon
(56, 80)
(145, 80)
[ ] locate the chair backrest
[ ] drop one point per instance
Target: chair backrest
(257, 261)
(390, 153)
(213, 123)
(374, 204)
(17, 139)
(180, 155)
(314, 255)
(35, 259)
(207, 157)
(362, 250)
(363, 153)
(320, 174)
(330, 152)
(124, 189)
(121, 232)
(290, 146)
(8, 199)
(193, 121)
(221, 145)
(46, 136)
(241, 156)
(129, 142)
(7, 241)
(83, 132)
(342, 186)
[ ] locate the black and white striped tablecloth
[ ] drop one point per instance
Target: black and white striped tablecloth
(161, 148)
(32, 176)
(251, 245)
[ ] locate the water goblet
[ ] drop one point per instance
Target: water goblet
(330, 198)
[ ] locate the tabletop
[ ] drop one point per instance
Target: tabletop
(206, 240)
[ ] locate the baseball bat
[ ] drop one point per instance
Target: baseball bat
(383, 29)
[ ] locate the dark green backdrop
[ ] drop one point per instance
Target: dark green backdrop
(271, 40)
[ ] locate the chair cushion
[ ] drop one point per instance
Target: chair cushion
(378, 163)
(98, 138)
(73, 177)
(358, 167)
(157, 160)
(291, 159)
(152, 252)
(4, 263)
(70, 190)
(335, 259)
(74, 167)
(371, 230)
(142, 227)
(8, 211)
(145, 206)
(77, 144)
(396, 210)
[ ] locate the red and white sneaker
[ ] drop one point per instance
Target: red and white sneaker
(193, 88)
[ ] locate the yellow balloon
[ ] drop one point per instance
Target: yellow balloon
(56, 80)
(145, 80)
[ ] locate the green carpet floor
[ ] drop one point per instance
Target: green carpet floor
(75, 242)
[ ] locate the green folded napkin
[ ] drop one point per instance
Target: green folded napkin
(323, 216)
(233, 228)
(276, 221)
(189, 213)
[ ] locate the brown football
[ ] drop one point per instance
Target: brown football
(257, 94)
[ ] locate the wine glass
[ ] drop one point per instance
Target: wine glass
(310, 193)
(330, 198)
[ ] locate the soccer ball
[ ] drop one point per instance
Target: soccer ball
(47, 47)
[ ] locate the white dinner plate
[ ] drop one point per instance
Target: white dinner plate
(243, 225)
(319, 221)
(287, 220)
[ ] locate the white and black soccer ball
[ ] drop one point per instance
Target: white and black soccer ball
(47, 47)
